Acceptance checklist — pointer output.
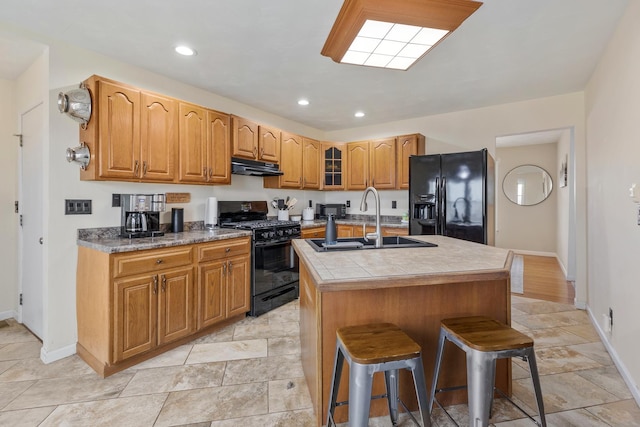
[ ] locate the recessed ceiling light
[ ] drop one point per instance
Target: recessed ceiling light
(303, 102)
(185, 50)
(359, 114)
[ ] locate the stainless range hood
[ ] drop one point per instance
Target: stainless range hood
(251, 167)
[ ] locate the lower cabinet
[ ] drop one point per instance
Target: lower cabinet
(346, 230)
(312, 233)
(151, 310)
(135, 305)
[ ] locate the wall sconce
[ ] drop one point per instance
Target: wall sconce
(79, 155)
(393, 33)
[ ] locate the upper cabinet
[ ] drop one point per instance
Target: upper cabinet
(334, 162)
(290, 163)
(204, 146)
(255, 142)
(357, 165)
(382, 163)
(311, 161)
(136, 135)
(407, 146)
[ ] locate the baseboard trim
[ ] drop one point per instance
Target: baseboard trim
(624, 373)
(535, 253)
(51, 356)
(9, 314)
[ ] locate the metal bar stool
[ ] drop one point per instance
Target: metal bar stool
(381, 347)
(485, 340)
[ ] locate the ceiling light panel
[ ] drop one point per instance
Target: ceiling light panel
(379, 43)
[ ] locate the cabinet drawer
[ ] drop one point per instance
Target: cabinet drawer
(224, 249)
(150, 261)
(312, 233)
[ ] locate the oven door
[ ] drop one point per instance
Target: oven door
(275, 271)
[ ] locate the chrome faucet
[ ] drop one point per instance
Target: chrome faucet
(377, 236)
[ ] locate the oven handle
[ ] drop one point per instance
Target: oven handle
(282, 292)
(270, 244)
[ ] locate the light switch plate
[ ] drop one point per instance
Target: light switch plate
(77, 207)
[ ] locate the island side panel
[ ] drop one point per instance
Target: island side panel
(310, 339)
(418, 310)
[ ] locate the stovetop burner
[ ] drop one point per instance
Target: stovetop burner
(257, 224)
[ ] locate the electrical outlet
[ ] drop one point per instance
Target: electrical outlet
(394, 204)
(77, 207)
(606, 323)
(348, 203)
(115, 200)
(610, 318)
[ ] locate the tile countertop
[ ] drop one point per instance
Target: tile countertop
(117, 244)
(450, 261)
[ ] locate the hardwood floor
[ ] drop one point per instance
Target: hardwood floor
(544, 279)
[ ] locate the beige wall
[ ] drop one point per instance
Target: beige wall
(530, 229)
(613, 147)
(8, 194)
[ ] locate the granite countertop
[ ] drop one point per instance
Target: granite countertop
(395, 267)
(114, 244)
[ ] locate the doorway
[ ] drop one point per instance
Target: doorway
(31, 219)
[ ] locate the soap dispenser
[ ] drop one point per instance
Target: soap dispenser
(330, 232)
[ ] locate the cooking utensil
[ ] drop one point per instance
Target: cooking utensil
(280, 204)
(76, 104)
(274, 203)
(292, 202)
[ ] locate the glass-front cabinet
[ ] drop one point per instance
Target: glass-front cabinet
(333, 166)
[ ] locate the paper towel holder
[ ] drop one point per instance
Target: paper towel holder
(211, 213)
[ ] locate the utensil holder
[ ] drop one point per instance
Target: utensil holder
(283, 215)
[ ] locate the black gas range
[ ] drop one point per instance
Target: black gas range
(274, 273)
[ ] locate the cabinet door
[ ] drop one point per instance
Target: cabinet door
(119, 134)
(194, 165)
(407, 146)
(313, 233)
(238, 285)
(175, 311)
(159, 137)
(345, 230)
(212, 293)
(311, 155)
(382, 163)
(268, 144)
(245, 138)
(220, 147)
(357, 165)
(135, 315)
(333, 167)
(393, 231)
(291, 161)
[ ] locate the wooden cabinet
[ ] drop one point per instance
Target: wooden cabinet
(290, 163)
(312, 233)
(204, 146)
(311, 161)
(334, 164)
(255, 142)
(357, 165)
(133, 134)
(223, 280)
(135, 305)
(154, 307)
(347, 230)
(407, 146)
(382, 163)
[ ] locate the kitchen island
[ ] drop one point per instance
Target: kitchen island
(415, 288)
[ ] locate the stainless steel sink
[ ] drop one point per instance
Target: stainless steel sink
(359, 243)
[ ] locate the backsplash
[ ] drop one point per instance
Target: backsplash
(114, 232)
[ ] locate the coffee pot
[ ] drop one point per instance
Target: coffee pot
(136, 222)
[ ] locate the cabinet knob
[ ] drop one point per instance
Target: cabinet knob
(164, 283)
(159, 261)
(144, 168)
(155, 285)
(230, 267)
(227, 250)
(136, 168)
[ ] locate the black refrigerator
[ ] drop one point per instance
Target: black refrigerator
(453, 195)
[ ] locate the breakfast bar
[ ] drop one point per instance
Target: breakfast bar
(414, 288)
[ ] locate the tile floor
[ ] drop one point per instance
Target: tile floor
(249, 374)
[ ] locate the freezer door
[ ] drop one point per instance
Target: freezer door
(463, 195)
(424, 184)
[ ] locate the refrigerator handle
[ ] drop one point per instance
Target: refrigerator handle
(437, 206)
(443, 203)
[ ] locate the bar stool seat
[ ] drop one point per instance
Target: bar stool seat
(380, 347)
(485, 340)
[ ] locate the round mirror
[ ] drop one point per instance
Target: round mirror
(527, 185)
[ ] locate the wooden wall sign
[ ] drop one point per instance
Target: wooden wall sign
(177, 197)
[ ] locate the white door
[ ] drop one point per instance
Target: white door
(31, 218)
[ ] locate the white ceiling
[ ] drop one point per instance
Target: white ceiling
(267, 53)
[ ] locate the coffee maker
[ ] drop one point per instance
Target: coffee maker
(140, 215)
